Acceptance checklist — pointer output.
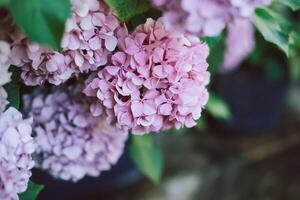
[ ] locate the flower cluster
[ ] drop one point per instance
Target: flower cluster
(206, 17)
(246, 8)
(16, 147)
(3, 99)
(156, 81)
(91, 35)
(210, 17)
(71, 143)
(4, 54)
(239, 42)
(4, 74)
(152, 79)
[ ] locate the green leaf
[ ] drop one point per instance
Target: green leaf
(212, 41)
(274, 28)
(201, 124)
(146, 156)
(142, 18)
(217, 49)
(294, 69)
(218, 108)
(4, 2)
(293, 4)
(13, 92)
(295, 41)
(126, 9)
(32, 191)
(294, 59)
(43, 21)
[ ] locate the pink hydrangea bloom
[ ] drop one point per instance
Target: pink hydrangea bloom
(206, 17)
(91, 34)
(210, 17)
(156, 81)
(16, 147)
(240, 43)
(40, 64)
(71, 143)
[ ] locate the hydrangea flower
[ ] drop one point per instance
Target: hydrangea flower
(206, 17)
(4, 55)
(3, 99)
(91, 34)
(4, 74)
(71, 143)
(240, 43)
(156, 81)
(211, 17)
(16, 147)
(246, 8)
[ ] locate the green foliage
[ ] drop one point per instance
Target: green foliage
(294, 41)
(273, 70)
(274, 27)
(218, 108)
(294, 68)
(268, 59)
(13, 92)
(217, 49)
(13, 88)
(294, 60)
(126, 9)
(32, 191)
(212, 41)
(142, 18)
(43, 21)
(201, 125)
(146, 156)
(293, 4)
(4, 2)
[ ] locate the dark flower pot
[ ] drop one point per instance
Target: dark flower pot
(121, 175)
(255, 101)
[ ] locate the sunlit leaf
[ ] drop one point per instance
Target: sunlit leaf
(293, 4)
(147, 156)
(217, 49)
(273, 28)
(32, 191)
(126, 9)
(43, 21)
(218, 108)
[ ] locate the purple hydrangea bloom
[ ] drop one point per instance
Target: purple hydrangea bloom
(240, 43)
(4, 56)
(4, 74)
(16, 147)
(3, 99)
(71, 143)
